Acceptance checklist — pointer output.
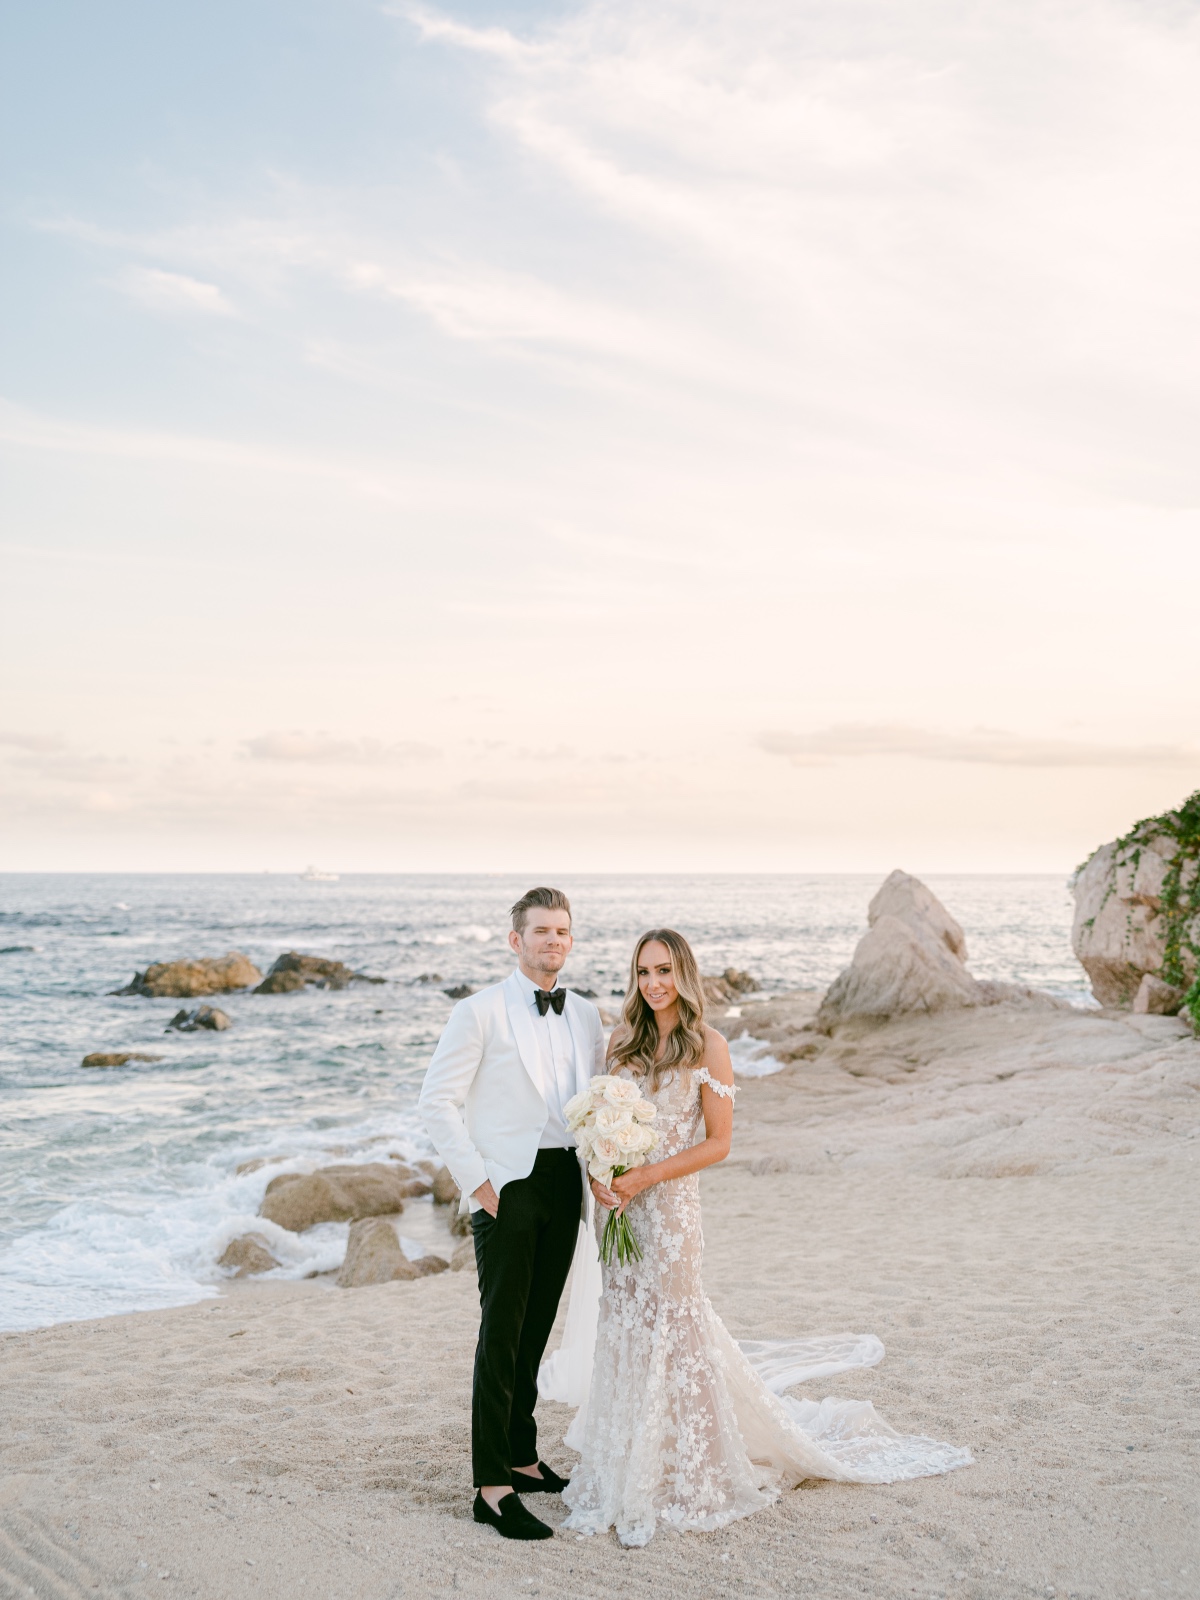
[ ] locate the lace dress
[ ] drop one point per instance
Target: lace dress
(686, 1429)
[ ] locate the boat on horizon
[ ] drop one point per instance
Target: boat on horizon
(313, 876)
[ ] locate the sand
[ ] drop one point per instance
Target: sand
(1007, 1197)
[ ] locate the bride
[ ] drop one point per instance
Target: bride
(682, 1426)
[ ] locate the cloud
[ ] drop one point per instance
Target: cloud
(983, 746)
(323, 749)
(35, 742)
(174, 292)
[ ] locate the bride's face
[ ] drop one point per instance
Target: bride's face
(655, 977)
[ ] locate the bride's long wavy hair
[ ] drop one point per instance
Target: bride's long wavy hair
(636, 1041)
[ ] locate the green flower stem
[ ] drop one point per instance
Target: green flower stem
(618, 1236)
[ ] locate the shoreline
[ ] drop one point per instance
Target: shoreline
(1011, 1212)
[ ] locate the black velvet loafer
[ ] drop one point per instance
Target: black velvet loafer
(548, 1483)
(512, 1521)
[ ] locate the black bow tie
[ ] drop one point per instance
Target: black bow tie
(547, 998)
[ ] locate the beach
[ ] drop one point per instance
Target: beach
(1005, 1196)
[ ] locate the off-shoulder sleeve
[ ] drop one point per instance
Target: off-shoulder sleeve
(727, 1090)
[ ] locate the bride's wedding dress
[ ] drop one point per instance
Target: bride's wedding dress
(683, 1426)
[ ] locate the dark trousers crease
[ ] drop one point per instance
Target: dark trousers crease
(523, 1257)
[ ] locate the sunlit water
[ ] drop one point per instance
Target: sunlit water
(118, 1187)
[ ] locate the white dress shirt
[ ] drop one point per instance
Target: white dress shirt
(557, 1048)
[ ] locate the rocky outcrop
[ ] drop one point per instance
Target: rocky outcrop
(1156, 998)
(445, 1190)
(294, 971)
(211, 1017)
(460, 1224)
(464, 1256)
(1122, 925)
(912, 958)
(297, 1201)
(459, 991)
(373, 1255)
(189, 980)
(116, 1058)
(249, 1254)
(729, 987)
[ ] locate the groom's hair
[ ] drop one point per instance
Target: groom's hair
(548, 899)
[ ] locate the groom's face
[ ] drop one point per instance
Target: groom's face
(544, 943)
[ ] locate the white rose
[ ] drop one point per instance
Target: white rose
(620, 1092)
(606, 1152)
(584, 1138)
(650, 1140)
(645, 1111)
(610, 1118)
(577, 1108)
(598, 1084)
(601, 1173)
(629, 1139)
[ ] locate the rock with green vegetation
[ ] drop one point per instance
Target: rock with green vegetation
(1137, 916)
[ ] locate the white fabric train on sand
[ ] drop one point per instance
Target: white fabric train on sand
(566, 1376)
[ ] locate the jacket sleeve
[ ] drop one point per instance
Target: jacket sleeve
(448, 1080)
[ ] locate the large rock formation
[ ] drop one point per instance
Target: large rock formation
(373, 1255)
(293, 971)
(912, 958)
(1122, 922)
(298, 1200)
(187, 980)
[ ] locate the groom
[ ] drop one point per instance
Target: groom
(509, 1060)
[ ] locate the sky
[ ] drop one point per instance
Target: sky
(753, 435)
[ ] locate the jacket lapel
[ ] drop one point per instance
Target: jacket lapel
(522, 1027)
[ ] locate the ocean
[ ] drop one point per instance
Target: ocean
(119, 1188)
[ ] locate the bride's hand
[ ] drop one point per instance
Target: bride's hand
(629, 1184)
(604, 1196)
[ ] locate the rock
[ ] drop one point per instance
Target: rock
(373, 1255)
(203, 1017)
(445, 1190)
(460, 1224)
(901, 895)
(585, 994)
(910, 959)
(729, 987)
(464, 1256)
(430, 977)
(404, 1170)
(293, 971)
(187, 980)
(608, 1019)
(116, 1058)
(429, 1168)
(1119, 933)
(1156, 998)
(249, 1254)
(297, 1200)
(459, 991)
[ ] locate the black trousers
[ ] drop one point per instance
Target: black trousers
(523, 1255)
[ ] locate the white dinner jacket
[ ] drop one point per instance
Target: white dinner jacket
(482, 1099)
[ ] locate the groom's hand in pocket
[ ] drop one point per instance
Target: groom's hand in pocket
(487, 1197)
(605, 1196)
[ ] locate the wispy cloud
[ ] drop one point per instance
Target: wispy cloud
(174, 292)
(322, 749)
(985, 746)
(34, 742)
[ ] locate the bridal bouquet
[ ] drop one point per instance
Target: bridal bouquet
(611, 1123)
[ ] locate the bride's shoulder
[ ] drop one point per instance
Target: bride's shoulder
(716, 1068)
